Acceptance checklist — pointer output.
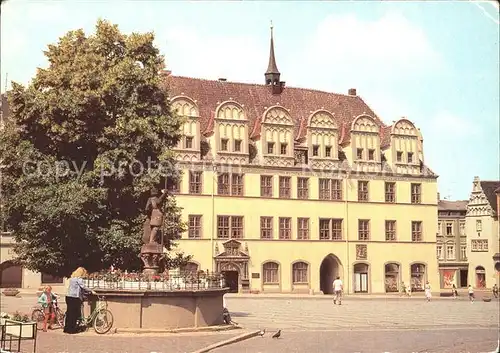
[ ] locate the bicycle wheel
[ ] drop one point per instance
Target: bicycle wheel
(38, 316)
(60, 317)
(103, 321)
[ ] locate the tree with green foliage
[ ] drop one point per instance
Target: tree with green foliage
(86, 140)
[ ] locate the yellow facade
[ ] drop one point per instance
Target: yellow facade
(347, 255)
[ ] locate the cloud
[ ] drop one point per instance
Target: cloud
(378, 49)
(452, 126)
(189, 52)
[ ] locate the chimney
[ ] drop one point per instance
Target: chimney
(352, 92)
(278, 87)
(222, 79)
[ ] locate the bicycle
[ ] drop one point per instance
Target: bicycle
(38, 315)
(100, 318)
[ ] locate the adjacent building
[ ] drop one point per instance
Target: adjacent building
(451, 244)
(482, 230)
(284, 188)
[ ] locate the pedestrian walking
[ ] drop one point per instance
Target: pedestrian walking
(495, 290)
(428, 294)
(403, 289)
(454, 292)
(338, 287)
(471, 294)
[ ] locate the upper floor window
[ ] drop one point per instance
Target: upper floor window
(237, 145)
(285, 188)
(359, 153)
(362, 190)
(416, 190)
(283, 148)
(390, 192)
(330, 189)
(315, 151)
(450, 251)
(479, 245)
(224, 143)
(194, 226)
(449, 228)
(266, 227)
(440, 225)
(439, 252)
(188, 142)
(479, 225)
(174, 186)
(363, 229)
(463, 251)
(330, 228)
(230, 184)
(230, 227)
(195, 182)
(302, 228)
(270, 148)
(328, 151)
(410, 157)
(390, 230)
(416, 231)
(399, 156)
(285, 230)
(302, 188)
(266, 185)
(462, 227)
(371, 155)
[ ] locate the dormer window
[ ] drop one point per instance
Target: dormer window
(410, 157)
(188, 142)
(315, 151)
(399, 156)
(328, 151)
(359, 153)
(224, 143)
(237, 145)
(283, 148)
(371, 155)
(270, 148)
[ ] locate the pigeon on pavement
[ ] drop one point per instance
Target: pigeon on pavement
(277, 334)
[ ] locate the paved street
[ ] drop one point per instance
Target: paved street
(402, 341)
(311, 325)
(299, 314)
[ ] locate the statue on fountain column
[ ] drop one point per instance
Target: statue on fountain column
(152, 225)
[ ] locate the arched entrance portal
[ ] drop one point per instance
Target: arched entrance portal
(11, 275)
(330, 268)
(361, 278)
(480, 277)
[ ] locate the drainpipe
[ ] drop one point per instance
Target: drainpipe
(348, 277)
(212, 237)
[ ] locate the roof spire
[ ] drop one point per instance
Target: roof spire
(272, 74)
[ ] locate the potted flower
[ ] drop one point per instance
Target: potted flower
(20, 325)
(11, 292)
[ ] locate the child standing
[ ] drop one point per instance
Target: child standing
(428, 294)
(471, 294)
(454, 292)
(46, 300)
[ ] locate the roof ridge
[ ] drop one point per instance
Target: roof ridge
(263, 85)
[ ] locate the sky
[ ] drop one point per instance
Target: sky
(436, 63)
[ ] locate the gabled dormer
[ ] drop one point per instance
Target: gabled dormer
(322, 139)
(230, 140)
(405, 151)
(188, 147)
(364, 147)
(276, 145)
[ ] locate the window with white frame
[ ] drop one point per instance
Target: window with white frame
(450, 251)
(479, 245)
(439, 251)
(462, 227)
(449, 228)
(479, 225)
(463, 251)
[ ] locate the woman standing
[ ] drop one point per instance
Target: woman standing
(428, 294)
(74, 299)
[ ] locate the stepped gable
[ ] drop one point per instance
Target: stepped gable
(255, 99)
(489, 188)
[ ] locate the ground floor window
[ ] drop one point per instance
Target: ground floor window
(270, 273)
(361, 278)
(299, 273)
(480, 277)
(50, 279)
(392, 277)
(418, 277)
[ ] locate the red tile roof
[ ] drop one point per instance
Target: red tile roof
(255, 99)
